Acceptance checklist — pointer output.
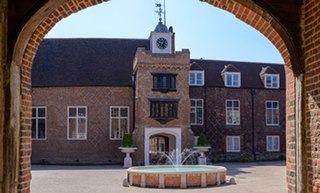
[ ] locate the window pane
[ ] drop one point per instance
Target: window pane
(236, 104)
(41, 112)
(269, 105)
(72, 128)
(229, 144)
(276, 143)
(235, 80)
(229, 79)
(236, 118)
(199, 103)
(193, 116)
(81, 112)
(81, 129)
(229, 103)
(229, 117)
(115, 132)
(115, 112)
(275, 81)
(275, 105)
(124, 112)
(72, 112)
(34, 112)
(34, 130)
(155, 82)
(192, 78)
(236, 143)
(123, 126)
(275, 116)
(199, 116)
(41, 128)
(199, 78)
(269, 143)
(269, 116)
(268, 81)
(193, 103)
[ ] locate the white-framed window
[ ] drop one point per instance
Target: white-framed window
(272, 113)
(273, 143)
(77, 122)
(196, 114)
(232, 79)
(233, 143)
(39, 123)
(119, 121)
(232, 112)
(271, 81)
(196, 78)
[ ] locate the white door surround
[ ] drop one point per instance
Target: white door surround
(148, 132)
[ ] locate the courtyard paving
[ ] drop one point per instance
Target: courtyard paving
(257, 177)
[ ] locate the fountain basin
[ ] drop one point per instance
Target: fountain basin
(181, 176)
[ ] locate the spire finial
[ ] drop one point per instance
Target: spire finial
(160, 11)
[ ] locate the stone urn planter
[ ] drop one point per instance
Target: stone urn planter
(127, 162)
(202, 159)
(127, 147)
(202, 147)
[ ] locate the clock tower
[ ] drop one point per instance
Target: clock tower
(162, 38)
(161, 92)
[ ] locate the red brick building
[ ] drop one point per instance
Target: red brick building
(88, 92)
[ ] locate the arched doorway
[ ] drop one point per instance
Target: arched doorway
(52, 12)
(158, 141)
(159, 145)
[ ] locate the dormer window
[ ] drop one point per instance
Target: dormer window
(271, 81)
(232, 79)
(196, 78)
(270, 77)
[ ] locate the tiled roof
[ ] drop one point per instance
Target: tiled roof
(85, 62)
(250, 72)
(109, 62)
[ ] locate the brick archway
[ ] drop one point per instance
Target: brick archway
(53, 11)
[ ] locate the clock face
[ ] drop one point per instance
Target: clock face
(162, 43)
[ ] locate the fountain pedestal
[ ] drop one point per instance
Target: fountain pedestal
(202, 159)
(127, 162)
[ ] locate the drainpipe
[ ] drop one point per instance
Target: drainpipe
(205, 109)
(253, 92)
(133, 81)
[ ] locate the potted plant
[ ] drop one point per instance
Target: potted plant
(202, 147)
(127, 147)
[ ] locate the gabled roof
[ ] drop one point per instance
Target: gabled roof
(85, 62)
(250, 72)
(195, 66)
(230, 68)
(268, 70)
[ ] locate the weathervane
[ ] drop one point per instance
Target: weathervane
(161, 11)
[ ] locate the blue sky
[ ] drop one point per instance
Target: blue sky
(208, 32)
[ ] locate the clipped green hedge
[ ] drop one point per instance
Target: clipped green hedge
(127, 140)
(202, 140)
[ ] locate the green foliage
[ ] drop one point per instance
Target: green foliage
(202, 140)
(127, 140)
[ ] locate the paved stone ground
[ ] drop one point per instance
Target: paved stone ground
(257, 177)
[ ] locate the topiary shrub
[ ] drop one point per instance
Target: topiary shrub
(127, 140)
(202, 140)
